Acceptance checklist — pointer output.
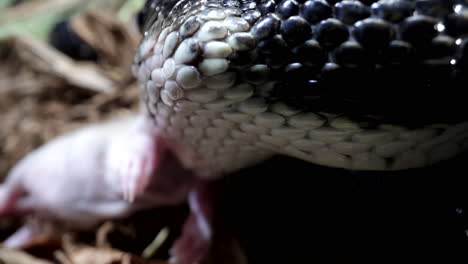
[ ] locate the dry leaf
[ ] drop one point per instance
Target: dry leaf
(78, 254)
(43, 58)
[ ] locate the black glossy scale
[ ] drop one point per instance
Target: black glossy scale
(287, 8)
(381, 91)
(435, 8)
(393, 10)
(373, 33)
(273, 45)
(331, 33)
(418, 30)
(66, 40)
(398, 52)
(310, 53)
(349, 11)
(299, 81)
(274, 52)
(295, 30)
(276, 61)
(442, 47)
(330, 71)
(257, 74)
(351, 54)
(266, 27)
(296, 72)
(242, 59)
(266, 6)
(316, 11)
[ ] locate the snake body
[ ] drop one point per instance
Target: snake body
(362, 85)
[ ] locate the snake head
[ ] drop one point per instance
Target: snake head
(350, 84)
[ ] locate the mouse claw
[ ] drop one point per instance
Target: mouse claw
(128, 179)
(132, 158)
(135, 174)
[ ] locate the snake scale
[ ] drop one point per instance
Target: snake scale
(365, 85)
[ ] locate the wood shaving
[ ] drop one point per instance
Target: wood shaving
(43, 93)
(10, 256)
(80, 253)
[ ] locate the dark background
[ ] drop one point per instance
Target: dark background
(290, 211)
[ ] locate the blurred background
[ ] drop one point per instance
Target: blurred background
(65, 64)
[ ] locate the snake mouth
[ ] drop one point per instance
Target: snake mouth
(171, 178)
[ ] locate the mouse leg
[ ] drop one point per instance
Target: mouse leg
(132, 158)
(136, 166)
(151, 168)
(13, 195)
(8, 197)
(14, 201)
(147, 163)
(197, 233)
(29, 233)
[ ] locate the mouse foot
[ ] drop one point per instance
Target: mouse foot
(32, 231)
(133, 159)
(197, 233)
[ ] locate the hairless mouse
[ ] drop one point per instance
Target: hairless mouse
(103, 171)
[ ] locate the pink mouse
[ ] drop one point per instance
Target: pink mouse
(106, 171)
